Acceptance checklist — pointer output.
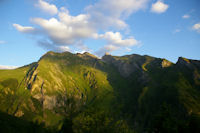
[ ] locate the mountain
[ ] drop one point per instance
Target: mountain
(65, 92)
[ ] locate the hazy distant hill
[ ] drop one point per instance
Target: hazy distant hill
(121, 94)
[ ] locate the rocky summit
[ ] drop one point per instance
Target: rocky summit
(80, 93)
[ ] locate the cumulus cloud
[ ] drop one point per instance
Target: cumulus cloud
(159, 7)
(63, 31)
(67, 29)
(8, 67)
(196, 27)
(46, 7)
(186, 16)
(115, 41)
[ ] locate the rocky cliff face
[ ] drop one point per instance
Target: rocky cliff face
(129, 64)
(126, 65)
(183, 62)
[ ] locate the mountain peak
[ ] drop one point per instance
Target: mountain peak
(107, 53)
(189, 63)
(166, 63)
(86, 54)
(182, 60)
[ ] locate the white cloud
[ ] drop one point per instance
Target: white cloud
(116, 39)
(186, 16)
(2, 42)
(159, 7)
(115, 42)
(66, 30)
(46, 7)
(23, 29)
(63, 31)
(8, 67)
(111, 13)
(196, 27)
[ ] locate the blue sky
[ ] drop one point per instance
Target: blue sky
(161, 28)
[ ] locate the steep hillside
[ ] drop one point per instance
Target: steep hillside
(81, 93)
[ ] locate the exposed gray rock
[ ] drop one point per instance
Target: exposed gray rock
(125, 65)
(183, 62)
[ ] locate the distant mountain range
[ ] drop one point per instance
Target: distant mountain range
(80, 93)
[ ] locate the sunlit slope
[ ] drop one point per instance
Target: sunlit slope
(50, 86)
(12, 88)
(71, 74)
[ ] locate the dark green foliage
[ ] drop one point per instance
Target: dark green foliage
(10, 83)
(67, 126)
(10, 124)
(99, 121)
(164, 121)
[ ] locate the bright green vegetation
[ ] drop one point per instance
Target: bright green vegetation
(65, 92)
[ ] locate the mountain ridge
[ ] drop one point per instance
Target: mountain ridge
(131, 93)
(87, 53)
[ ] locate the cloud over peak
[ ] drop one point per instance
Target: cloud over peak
(115, 41)
(159, 7)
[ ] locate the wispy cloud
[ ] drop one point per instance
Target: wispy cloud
(24, 29)
(159, 7)
(186, 16)
(2, 42)
(176, 31)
